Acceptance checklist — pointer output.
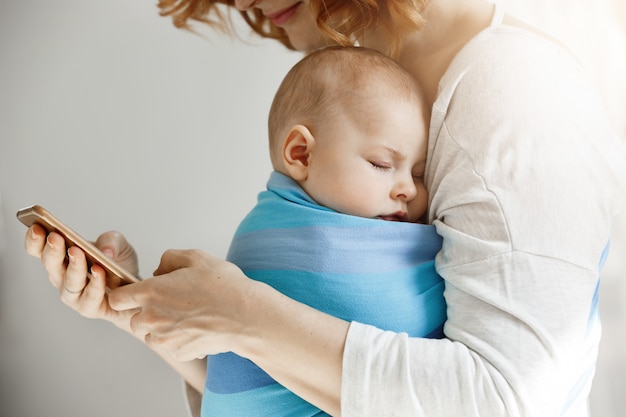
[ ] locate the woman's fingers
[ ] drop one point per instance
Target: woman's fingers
(53, 258)
(35, 240)
(75, 275)
(127, 297)
(93, 296)
(82, 289)
(140, 327)
(115, 246)
(174, 259)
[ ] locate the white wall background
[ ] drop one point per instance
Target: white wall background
(114, 119)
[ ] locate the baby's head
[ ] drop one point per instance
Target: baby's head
(343, 112)
(331, 84)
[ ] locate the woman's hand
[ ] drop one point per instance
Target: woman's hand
(198, 305)
(87, 293)
(83, 290)
(194, 306)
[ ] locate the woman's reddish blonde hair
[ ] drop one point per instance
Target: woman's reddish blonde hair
(340, 21)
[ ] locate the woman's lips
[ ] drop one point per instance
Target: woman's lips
(282, 16)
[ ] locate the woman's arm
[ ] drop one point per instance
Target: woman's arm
(199, 305)
(299, 347)
(524, 174)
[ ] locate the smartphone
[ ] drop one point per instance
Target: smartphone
(37, 214)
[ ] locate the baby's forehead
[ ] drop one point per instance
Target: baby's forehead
(373, 103)
(376, 116)
(367, 82)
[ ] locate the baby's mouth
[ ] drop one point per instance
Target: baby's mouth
(399, 216)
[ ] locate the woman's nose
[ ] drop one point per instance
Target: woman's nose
(244, 5)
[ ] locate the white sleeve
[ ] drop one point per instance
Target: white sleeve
(523, 174)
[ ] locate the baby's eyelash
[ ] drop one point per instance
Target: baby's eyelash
(380, 165)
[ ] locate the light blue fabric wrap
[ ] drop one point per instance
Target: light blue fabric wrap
(367, 270)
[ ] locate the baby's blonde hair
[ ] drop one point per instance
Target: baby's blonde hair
(340, 21)
(332, 83)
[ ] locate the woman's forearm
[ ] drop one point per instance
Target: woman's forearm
(193, 372)
(298, 346)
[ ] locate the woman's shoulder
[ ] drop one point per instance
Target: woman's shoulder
(507, 71)
(509, 55)
(516, 94)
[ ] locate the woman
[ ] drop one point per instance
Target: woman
(520, 157)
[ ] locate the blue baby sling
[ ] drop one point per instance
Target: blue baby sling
(367, 270)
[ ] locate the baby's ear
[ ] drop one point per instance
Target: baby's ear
(296, 152)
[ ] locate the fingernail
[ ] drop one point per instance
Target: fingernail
(33, 234)
(108, 253)
(69, 255)
(49, 242)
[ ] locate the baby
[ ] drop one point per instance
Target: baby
(348, 140)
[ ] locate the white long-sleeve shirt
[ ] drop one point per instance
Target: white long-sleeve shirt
(524, 173)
